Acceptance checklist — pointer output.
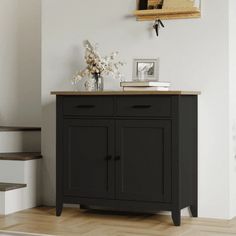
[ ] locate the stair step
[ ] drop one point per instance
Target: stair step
(20, 156)
(4, 187)
(15, 128)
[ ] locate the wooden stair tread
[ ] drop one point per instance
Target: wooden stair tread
(16, 128)
(4, 187)
(20, 156)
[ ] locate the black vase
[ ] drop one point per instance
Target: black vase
(143, 4)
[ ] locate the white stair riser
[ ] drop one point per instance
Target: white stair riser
(20, 141)
(18, 200)
(2, 203)
(20, 171)
(12, 171)
(12, 201)
(24, 172)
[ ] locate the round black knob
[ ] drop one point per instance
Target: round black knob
(108, 158)
(117, 158)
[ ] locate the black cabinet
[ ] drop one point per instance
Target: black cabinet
(143, 169)
(128, 153)
(88, 149)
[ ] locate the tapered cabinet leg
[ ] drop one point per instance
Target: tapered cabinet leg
(176, 217)
(194, 210)
(59, 208)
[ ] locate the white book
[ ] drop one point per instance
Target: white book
(145, 88)
(145, 84)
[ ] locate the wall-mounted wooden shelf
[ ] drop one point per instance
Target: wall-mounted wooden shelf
(167, 14)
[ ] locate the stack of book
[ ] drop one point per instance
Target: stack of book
(145, 86)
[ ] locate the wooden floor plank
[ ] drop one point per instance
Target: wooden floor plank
(94, 223)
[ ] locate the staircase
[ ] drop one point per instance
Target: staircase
(20, 168)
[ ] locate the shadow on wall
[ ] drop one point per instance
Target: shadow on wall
(19, 141)
(49, 152)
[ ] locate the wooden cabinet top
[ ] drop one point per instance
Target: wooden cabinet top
(120, 93)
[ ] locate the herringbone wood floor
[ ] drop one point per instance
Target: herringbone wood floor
(94, 223)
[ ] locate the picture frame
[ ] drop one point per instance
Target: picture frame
(151, 65)
(142, 4)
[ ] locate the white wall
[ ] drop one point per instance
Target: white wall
(194, 56)
(20, 67)
(232, 97)
(29, 59)
(8, 59)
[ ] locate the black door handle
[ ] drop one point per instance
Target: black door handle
(141, 106)
(108, 158)
(85, 106)
(117, 158)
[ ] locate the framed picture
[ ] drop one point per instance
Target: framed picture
(149, 68)
(143, 4)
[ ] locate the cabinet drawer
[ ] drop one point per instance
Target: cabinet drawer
(88, 106)
(144, 106)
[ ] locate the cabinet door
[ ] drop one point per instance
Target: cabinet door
(143, 166)
(88, 167)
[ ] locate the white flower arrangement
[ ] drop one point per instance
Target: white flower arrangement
(98, 66)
